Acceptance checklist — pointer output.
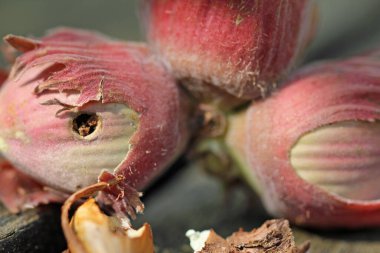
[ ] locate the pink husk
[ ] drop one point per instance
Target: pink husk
(241, 47)
(316, 96)
(19, 191)
(71, 70)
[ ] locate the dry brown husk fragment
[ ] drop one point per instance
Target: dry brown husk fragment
(273, 236)
(91, 231)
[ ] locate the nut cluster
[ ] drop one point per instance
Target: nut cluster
(90, 108)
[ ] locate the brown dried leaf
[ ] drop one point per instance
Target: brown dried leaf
(273, 236)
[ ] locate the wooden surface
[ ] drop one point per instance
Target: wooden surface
(186, 199)
(32, 231)
(190, 199)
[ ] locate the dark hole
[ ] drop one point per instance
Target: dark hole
(85, 124)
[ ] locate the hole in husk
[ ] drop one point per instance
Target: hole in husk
(85, 124)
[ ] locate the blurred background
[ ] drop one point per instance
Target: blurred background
(187, 197)
(116, 18)
(346, 26)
